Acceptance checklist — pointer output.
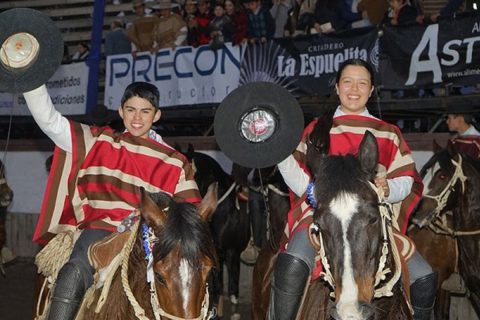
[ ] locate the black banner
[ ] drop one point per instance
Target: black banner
(428, 55)
(307, 66)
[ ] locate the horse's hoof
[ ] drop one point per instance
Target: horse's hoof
(233, 299)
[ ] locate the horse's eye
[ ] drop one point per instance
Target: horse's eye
(160, 279)
(373, 220)
(442, 177)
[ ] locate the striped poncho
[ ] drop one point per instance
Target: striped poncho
(97, 185)
(395, 160)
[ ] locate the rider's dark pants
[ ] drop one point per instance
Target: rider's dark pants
(290, 276)
(74, 278)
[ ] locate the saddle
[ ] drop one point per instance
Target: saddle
(102, 252)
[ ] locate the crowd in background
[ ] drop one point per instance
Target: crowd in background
(167, 24)
(160, 24)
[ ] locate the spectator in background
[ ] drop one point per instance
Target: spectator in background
(260, 26)
(350, 15)
(189, 14)
(306, 17)
(83, 50)
(140, 32)
(279, 12)
(451, 7)
(221, 27)
(460, 119)
(66, 55)
(327, 16)
(401, 12)
(239, 21)
(200, 30)
(116, 41)
(373, 11)
(170, 30)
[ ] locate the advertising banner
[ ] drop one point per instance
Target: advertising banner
(425, 56)
(67, 88)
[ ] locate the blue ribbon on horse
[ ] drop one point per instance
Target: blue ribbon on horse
(311, 196)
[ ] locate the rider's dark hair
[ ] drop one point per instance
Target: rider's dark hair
(355, 62)
(143, 90)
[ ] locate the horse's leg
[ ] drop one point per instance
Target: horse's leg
(473, 285)
(232, 260)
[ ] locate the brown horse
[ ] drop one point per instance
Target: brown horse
(452, 182)
(360, 266)
(173, 283)
(6, 197)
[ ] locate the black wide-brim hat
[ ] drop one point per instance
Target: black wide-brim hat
(461, 108)
(258, 124)
(49, 57)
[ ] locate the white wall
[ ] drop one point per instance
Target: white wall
(26, 175)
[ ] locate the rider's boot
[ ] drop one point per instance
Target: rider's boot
(422, 294)
(70, 287)
(288, 284)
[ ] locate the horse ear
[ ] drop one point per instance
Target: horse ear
(368, 153)
(318, 143)
(209, 202)
(190, 150)
(177, 147)
(155, 213)
(435, 146)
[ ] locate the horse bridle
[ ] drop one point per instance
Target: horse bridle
(438, 225)
(263, 190)
(386, 213)
(157, 309)
(442, 198)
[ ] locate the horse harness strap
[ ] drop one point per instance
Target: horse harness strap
(386, 213)
(227, 193)
(158, 311)
(442, 197)
(438, 225)
(277, 191)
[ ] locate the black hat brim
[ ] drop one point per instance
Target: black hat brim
(50, 54)
(459, 108)
(267, 96)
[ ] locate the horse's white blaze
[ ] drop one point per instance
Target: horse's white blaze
(185, 277)
(343, 208)
(428, 177)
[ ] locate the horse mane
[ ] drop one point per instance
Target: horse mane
(185, 228)
(338, 174)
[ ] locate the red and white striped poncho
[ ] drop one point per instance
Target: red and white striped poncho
(97, 185)
(345, 136)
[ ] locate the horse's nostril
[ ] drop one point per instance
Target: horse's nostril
(367, 311)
